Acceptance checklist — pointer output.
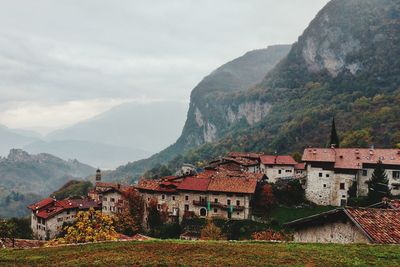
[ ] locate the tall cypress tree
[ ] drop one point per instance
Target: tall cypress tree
(378, 186)
(334, 136)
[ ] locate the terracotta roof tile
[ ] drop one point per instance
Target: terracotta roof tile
(300, 166)
(382, 225)
(352, 158)
(43, 203)
(278, 160)
(194, 184)
(250, 155)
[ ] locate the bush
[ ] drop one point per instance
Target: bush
(211, 232)
(270, 235)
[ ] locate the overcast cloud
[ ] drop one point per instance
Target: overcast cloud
(64, 61)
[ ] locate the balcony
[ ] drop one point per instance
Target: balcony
(202, 203)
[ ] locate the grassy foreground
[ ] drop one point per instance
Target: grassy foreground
(187, 253)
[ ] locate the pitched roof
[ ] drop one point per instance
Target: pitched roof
(242, 161)
(194, 184)
(300, 166)
(58, 206)
(352, 158)
(41, 204)
(233, 185)
(250, 155)
(378, 225)
(278, 160)
(381, 225)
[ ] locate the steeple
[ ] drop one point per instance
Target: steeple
(98, 175)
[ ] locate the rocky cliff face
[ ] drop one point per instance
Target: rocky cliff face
(345, 64)
(213, 108)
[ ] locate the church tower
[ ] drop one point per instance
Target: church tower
(98, 175)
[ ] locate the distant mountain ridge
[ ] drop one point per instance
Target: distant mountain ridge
(39, 174)
(345, 65)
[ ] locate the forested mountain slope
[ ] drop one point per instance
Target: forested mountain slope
(345, 65)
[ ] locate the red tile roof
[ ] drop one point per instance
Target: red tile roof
(278, 160)
(250, 155)
(242, 161)
(58, 206)
(352, 158)
(41, 204)
(381, 225)
(219, 180)
(394, 204)
(194, 184)
(300, 166)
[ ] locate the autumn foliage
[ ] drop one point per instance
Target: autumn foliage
(270, 235)
(89, 226)
(129, 220)
(211, 232)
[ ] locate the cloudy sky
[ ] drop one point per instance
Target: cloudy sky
(67, 60)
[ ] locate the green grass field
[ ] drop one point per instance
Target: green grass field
(191, 253)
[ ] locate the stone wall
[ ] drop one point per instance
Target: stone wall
(277, 171)
(333, 232)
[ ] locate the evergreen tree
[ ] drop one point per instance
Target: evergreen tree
(334, 136)
(378, 187)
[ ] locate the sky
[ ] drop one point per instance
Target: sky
(68, 60)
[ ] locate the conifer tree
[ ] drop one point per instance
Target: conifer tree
(334, 136)
(378, 187)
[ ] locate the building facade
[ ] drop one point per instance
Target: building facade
(49, 215)
(330, 172)
(212, 193)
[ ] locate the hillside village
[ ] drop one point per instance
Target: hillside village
(229, 187)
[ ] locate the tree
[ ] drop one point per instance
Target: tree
(90, 226)
(129, 221)
(211, 232)
(7, 231)
(156, 215)
(264, 199)
(378, 187)
(334, 140)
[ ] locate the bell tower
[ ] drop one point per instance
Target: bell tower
(98, 175)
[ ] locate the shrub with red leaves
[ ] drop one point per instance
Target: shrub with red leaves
(270, 235)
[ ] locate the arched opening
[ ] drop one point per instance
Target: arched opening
(203, 212)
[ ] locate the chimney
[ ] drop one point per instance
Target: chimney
(98, 175)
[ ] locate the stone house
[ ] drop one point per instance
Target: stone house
(111, 196)
(332, 171)
(278, 167)
(349, 225)
(213, 193)
(49, 215)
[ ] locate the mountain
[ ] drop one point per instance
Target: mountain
(14, 139)
(346, 65)
(96, 154)
(134, 125)
(232, 77)
(40, 174)
(26, 178)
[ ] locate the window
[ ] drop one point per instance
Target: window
(396, 175)
(288, 170)
(186, 207)
(215, 210)
(162, 197)
(324, 185)
(67, 211)
(237, 202)
(320, 174)
(59, 219)
(203, 212)
(238, 213)
(173, 197)
(228, 202)
(341, 186)
(186, 198)
(364, 172)
(279, 171)
(158, 206)
(148, 199)
(216, 200)
(327, 175)
(112, 199)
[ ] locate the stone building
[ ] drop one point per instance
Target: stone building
(111, 196)
(278, 167)
(213, 193)
(49, 215)
(349, 225)
(332, 171)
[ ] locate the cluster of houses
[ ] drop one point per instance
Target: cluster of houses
(225, 188)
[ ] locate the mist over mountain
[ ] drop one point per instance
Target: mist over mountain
(232, 77)
(134, 125)
(345, 65)
(14, 139)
